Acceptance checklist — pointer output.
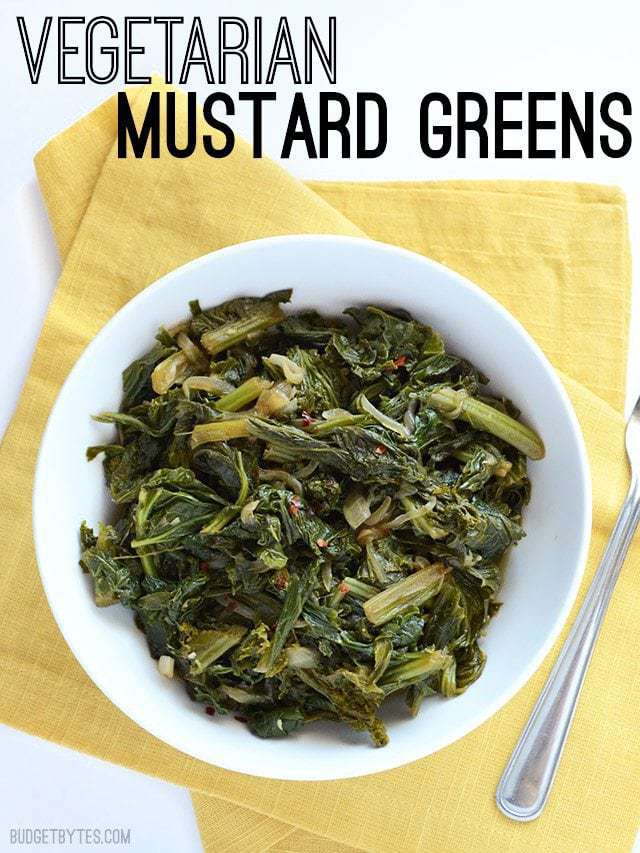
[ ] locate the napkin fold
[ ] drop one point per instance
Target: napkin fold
(557, 256)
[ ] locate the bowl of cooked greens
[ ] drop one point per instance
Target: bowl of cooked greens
(308, 496)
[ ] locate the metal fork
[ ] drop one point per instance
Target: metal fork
(526, 782)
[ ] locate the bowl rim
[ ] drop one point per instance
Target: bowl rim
(343, 772)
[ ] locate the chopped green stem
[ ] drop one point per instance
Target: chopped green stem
(243, 491)
(219, 431)
(414, 667)
(375, 389)
(339, 592)
(377, 564)
(481, 416)
(143, 510)
(324, 427)
(279, 454)
(412, 591)
(246, 393)
(234, 332)
(382, 650)
(220, 520)
(359, 589)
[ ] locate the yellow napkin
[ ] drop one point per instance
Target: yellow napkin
(557, 256)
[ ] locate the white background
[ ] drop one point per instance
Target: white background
(401, 50)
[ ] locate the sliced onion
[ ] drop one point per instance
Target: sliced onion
(307, 470)
(179, 327)
(380, 513)
(270, 474)
(243, 697)
(171, 371)
(405, 490)
(292, 372)
(300, 657)
(399, 520)
(367, 407)
(192, 352)
(246, 513)
(368, 534)
(166, 666)
(278, 400)
(330, 414)
(356, 509)
(409, 419)
(210, 384)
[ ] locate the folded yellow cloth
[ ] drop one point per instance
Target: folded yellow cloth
(557, 256)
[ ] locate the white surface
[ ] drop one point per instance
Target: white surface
(558, 518)
(56, 787)
(420, 46)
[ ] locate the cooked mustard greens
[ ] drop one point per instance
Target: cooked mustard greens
(311, 513)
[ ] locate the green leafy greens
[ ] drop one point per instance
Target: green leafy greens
(312, 514)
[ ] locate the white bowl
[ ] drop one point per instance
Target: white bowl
(328, 273)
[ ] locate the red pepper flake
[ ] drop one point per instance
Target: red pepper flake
(307, 419)
(294, 506)
(322, 543)
(400, 361)
(209, 710)
(204, 567)
(281, 580)
(344, 588)
(241, 719)
(380, 449)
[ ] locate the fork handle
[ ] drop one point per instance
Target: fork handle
(526, 782)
